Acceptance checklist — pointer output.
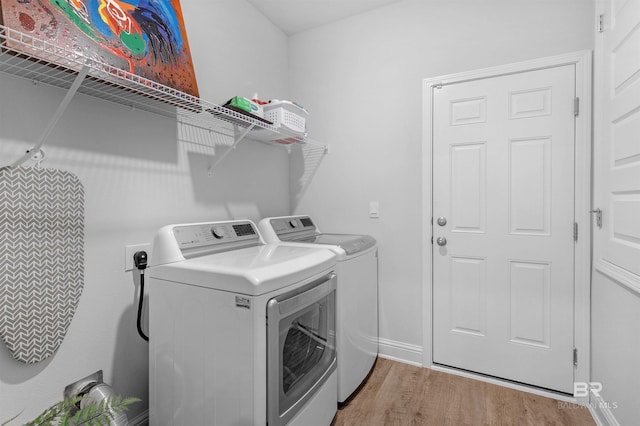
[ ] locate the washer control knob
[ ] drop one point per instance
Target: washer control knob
(293, 223)
(218, 232)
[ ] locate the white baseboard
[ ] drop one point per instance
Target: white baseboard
(601, 411)
(506, 383)
(401, 352)
(141, 419)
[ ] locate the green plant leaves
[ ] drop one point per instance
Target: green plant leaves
(69, 413)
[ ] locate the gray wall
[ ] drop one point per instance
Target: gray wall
(615, 347)
(362, 81)
(141, 172)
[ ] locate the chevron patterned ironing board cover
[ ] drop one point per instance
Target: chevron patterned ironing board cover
(41, 258)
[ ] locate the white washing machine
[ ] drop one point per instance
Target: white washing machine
(240, 332)
(357, 292)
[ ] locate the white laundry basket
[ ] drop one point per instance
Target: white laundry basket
(286, 114)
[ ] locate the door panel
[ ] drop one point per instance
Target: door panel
(469, 187)
(529, 288)
(503, 177)
(530, 186)
(468, 295)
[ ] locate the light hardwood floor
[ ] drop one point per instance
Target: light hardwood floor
(401, 394)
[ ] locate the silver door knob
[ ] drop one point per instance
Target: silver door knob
(442, 221)
(442, 241)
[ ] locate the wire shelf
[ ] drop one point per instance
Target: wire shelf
(37, 60)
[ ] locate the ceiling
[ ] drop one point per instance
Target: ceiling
(294, 16)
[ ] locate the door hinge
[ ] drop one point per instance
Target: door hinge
(575, 357)
(576, 107)
(575, 231)
(598, 213)
(431, 240)
(601, 23)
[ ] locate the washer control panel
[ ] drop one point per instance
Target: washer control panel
(295, 224)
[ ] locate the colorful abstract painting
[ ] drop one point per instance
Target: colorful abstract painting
(143, 37)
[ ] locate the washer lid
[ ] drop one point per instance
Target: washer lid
(253, 270)
(349, 243)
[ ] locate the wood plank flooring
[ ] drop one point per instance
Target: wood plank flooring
(401, 394)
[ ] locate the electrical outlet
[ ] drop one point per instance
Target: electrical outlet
(130, 250)
(76, 389)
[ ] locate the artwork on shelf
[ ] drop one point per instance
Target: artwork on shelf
(144, 37)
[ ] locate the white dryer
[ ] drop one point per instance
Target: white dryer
(240, 332)
(357, 292)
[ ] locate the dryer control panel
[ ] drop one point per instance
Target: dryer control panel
(178, 242)
(214, 234)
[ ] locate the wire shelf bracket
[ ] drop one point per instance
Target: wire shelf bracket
(55, 118)
(238, 139)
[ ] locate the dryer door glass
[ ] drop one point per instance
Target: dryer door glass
(301, 347)
(305, 344)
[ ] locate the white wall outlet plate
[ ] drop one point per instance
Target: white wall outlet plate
(374, 209)
(130, 250)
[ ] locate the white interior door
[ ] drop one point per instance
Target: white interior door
(617, 147)
(503, 180)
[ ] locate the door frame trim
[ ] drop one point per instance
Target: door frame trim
(582, 61)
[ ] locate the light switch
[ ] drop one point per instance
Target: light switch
(374, 209)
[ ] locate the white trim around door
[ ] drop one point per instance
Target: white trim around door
(583, 176)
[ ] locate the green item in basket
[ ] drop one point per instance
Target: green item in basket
(240, 103)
